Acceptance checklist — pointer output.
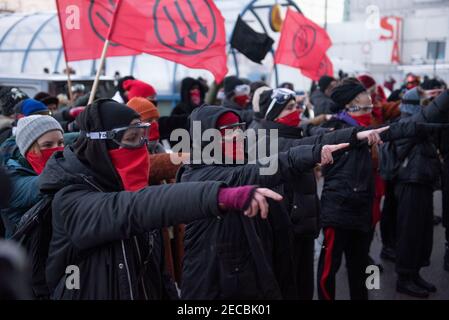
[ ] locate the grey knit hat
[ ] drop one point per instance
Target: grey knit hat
(31, 128)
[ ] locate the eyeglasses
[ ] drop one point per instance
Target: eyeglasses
(280, 96)
(230, 130)
(367, 108)
(131, 137)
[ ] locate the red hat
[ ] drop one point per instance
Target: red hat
(226, 119)
(367, 81)
(138, 88)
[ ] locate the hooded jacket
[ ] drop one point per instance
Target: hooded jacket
(185, 107)
(110, 234)
(422, 164)
(235, 257)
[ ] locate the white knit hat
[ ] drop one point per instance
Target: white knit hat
(31, 128)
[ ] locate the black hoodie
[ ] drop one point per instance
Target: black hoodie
(112, 235)
(235, 257)
(185, 106)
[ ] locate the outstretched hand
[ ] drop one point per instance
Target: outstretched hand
(327, 150)
(373, 136)
(259, 202)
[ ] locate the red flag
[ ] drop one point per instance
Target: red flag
(189, 32)
(84, 27)
(303, 43)
(326, 68)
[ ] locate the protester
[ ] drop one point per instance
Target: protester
(346, 202)
(300, 195)
(37, 137)
(414, 191)
(119, 95)
(78, 91)
(30, 107)
(51, 102)
(95, 181)
(241, 262)
(321, 98)
(192, 96)
(237, 97)
(137, 88)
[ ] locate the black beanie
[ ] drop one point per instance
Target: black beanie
(324, 82)
(115, 115)
(229, 85)
(264, 104)
(345, 93)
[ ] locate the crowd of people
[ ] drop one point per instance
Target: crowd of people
(97, 187)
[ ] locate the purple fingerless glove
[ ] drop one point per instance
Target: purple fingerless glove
(238, 198)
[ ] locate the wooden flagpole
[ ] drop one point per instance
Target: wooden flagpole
(97, 76)
(103, 54)
(69, 80)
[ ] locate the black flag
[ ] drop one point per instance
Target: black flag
(252, 44)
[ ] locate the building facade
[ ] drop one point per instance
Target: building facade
(392, 38)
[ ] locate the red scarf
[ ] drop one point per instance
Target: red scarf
(153, 134)
(233, 150)
(242, 101)
(363, 120)
(38, 161)
(195, 96)
(291, 120)
(133, 166)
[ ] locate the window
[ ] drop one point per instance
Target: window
(436, 50)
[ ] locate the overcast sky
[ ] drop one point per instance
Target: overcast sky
(314, 9)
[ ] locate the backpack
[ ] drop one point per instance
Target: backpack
(34, 233)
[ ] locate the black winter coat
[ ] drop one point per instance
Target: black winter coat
(113, 237)
(301, 197)
(348, 191)
(422, 164)
(235, 257)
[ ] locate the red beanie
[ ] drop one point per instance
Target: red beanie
(367, 81)
(226, 119)
(138, 88)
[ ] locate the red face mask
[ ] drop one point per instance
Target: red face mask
(195, 96)
(233, 150)
(242, 101)
(133, 166)
(153, 134)
(291, 120)
(364, 120)
(37, 161)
